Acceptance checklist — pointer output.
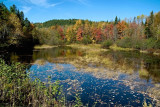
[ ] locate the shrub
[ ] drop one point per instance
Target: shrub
(126, 42)
(17, 89)
(157, 44)
(86, 40)
(130, 42)
(107, 43)
(148, 43)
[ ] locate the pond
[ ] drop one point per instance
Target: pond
(101, 78)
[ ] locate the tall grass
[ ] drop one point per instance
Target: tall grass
(16, 88)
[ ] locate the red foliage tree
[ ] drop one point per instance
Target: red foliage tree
(108, 31)
(61, 32)
(79, 35)
(97, 34)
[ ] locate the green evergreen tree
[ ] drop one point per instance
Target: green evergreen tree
(13, 9)
(116, 21)
(147, 29)
(4, 30)
(26, 23)
(151, 18)
(4, 13)
(21, 17)
(149, 25)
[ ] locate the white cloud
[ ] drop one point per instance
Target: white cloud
(84, 2)
(26, 9)
(38, 2)
(43, 3)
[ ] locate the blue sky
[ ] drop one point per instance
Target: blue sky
(95, 10)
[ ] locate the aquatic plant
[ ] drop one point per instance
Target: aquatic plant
(78, 102)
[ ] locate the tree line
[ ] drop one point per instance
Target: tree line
(60, 22)
(141, 32)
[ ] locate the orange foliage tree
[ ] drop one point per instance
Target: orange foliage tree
(97, 34)
(121, 27)
(108, 31)
(79, 35)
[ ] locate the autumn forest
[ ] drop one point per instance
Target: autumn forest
(141, 32)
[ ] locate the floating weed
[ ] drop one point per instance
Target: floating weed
(146, 105)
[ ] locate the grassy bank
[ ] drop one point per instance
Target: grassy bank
(147, 51)
(44, 46)
(99, 47)
(115, 47)
(89, 47)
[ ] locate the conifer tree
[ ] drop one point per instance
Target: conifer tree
(116, 21)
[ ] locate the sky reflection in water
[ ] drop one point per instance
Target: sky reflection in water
(127, 79)
(104, 91)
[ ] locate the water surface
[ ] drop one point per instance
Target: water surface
(123, 79)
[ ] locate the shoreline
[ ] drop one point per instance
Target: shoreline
(98, 46)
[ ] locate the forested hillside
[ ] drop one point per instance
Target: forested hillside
(55, 22)
(141, 32)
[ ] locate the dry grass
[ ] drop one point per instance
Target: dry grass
(89, 47)
(115, 47)
(156, 53)
(44, 46)
(143, 73)
(40, 62)
(144, 51)
(93, 56)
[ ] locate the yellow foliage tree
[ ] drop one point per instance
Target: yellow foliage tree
(16, 29)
